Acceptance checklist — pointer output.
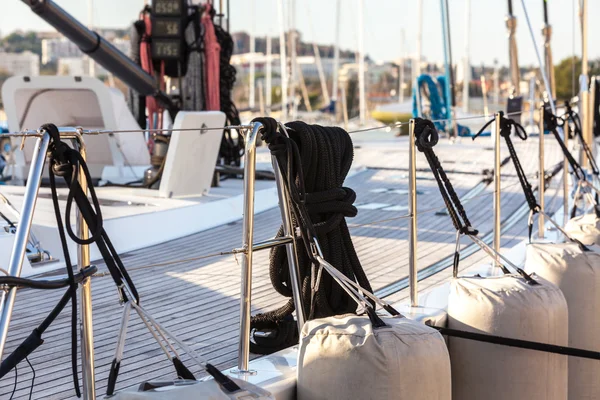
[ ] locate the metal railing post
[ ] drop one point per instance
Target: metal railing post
(497, 185)
(412, 211)
(247, 245)
(83, 261)
(290, 248)
(566, 216)
(542, 176)
(15, 265)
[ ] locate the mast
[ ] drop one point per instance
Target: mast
(515, 75)
(269, 74)
(282, 61)
(251, 94)
(467, 59)
(401, 72)
(539, 57)
(547, 32)
(336, 57)
(584, 108)
(293, 61)
(417, 62)
(496, 83)
(361, 63)
(318, 63)
(449, 87)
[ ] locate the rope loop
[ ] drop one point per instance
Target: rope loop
(426, 135)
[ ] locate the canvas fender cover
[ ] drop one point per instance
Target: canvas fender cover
(577, 273)
(344, 357)
(585, 228)
(507, 306)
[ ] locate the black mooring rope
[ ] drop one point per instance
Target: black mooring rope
(314, 163)
(426, 137)
(506, 128)
(577, 131)
(231, 148)
(552, 122)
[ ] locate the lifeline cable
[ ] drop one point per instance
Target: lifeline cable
(314, 162)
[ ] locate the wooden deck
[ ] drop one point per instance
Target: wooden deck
(199, 300)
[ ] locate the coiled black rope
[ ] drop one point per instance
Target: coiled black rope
(314, 162)
(232, 148)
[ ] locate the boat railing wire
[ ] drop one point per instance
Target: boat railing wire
(241, 128)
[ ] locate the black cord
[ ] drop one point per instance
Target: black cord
(8, 221)
(15, 386)
(32, 378)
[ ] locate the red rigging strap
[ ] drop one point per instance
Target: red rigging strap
(155, 110)
(212, 52)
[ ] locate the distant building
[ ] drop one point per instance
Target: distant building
(124, 45)
(77, 66)
(54, 49)
(62, 49)
(25, 63)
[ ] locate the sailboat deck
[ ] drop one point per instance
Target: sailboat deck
(198, 298)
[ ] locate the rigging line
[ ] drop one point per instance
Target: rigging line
(400, 124)
(243, 128)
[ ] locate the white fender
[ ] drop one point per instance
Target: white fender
(577, 274)
(507, 306)
(344, 357)
(585, 228)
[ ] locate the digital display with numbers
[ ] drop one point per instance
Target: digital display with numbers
(166, 27)
(166, 49)
(167, 7)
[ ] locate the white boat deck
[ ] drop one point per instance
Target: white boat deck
(198, 298)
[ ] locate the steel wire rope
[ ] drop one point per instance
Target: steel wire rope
(36, 133)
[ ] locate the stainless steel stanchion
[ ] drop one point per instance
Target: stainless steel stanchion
(497, 185)
(247, 239)
(83, 261)
(290, 248)
(412, 211)
(542, 176)
(15, 265)
(566, 175)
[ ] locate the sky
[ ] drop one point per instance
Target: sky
(386, 22)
